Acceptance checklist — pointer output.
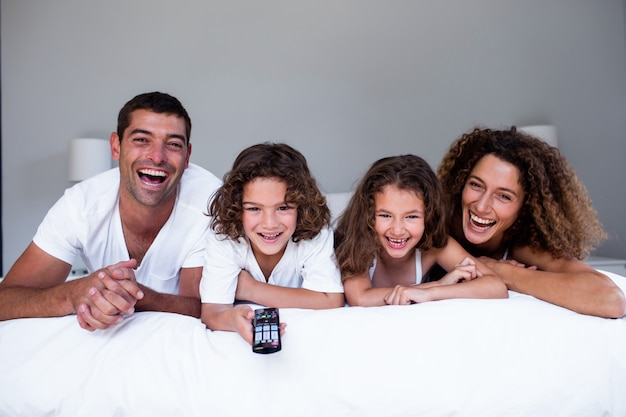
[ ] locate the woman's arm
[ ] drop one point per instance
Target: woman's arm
(566, 282)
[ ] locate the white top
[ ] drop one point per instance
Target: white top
(86, 222)
(309, 264)
(418, 267)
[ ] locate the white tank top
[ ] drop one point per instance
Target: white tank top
(418, 267)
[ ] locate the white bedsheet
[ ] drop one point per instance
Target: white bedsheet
(514, 357)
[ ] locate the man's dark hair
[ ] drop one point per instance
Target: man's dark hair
(155, 102)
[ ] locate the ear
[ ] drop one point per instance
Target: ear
(114, 141)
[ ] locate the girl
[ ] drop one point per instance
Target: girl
(272, 245)
(394, 230)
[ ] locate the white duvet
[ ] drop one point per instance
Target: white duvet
(514, 357)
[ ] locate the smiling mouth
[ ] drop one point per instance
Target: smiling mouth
(397, 243)
(480, 223)
(152, 176)
(270, 237)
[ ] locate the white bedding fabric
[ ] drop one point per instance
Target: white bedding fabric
(514, 357)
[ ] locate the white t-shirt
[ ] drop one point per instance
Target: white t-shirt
(86, 222)
(309, 264)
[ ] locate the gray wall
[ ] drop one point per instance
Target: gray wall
(345, 81)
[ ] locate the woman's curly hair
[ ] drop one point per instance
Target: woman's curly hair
(270, 160)
(557, 215)
(356, 243)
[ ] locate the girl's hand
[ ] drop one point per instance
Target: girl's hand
(465, 271)
(401, 295)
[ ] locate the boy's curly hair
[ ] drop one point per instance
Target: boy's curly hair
(356, 243)
(557, 215)
(270, 160)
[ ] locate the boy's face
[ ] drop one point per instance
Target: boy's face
(268, 221)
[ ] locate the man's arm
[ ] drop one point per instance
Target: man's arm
(186, 302)
(35, 287)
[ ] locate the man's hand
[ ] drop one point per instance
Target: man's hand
(104, 297)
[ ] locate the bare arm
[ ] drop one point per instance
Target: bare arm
(186, 302)
(270, 295)
(566, 282)
(35, 287)
(359, 292)
(467, 277)
(226, 317)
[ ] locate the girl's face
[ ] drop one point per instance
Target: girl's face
(399, 221)
(491, 200)
(268, 221)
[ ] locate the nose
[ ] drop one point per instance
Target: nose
(483, 203)
(269, 219)
(157, 153)
(397, 227)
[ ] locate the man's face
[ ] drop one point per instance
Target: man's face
(153, 154)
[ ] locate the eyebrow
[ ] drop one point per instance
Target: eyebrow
(253, 203)
(508, 190)
(147, 132)
(383, 210)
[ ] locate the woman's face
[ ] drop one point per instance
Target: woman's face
(491, 201)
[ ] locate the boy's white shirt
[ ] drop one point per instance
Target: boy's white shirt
(308, 263)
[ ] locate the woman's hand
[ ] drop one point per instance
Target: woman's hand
(494, 263)
(464, 271)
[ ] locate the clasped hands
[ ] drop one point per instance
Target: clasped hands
(103, 298)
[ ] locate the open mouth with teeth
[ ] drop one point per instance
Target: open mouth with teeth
(269, 237)
(152, 176)
(397, 243)
(479, 223)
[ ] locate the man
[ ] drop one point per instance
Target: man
(140, 229)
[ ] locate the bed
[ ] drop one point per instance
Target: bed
(508, 357)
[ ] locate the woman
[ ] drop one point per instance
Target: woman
(515, 201)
